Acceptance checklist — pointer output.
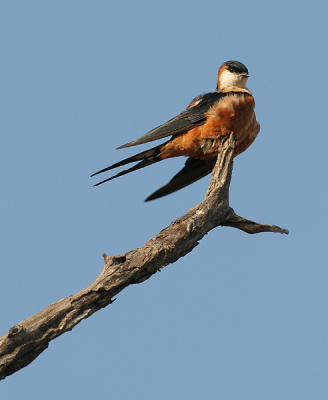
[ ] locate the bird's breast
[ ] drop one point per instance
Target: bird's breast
(233, 113)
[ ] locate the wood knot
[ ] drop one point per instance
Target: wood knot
(14, 331)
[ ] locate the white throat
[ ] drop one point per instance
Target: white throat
(229, 80)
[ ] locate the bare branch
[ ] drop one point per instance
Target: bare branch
(26, 340)
(248, 226)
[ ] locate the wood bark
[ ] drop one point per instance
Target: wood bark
(29, 338)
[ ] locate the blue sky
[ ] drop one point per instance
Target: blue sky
(242, 316)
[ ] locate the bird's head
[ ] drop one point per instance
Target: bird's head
(232, 74)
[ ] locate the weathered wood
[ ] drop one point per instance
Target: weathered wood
(26, 340)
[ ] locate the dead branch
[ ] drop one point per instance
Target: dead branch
(29, 338)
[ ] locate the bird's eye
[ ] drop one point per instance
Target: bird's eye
(230, 69)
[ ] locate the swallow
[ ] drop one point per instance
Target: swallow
(197, 132)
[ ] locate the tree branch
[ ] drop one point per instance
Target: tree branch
(26, 340)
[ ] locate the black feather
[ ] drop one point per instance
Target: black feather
(188, 119)
(193, 170)
(146, 158)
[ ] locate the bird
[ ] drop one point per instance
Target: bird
(197, 132)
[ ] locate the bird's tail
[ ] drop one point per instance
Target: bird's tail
(193, 170)
(146, 158)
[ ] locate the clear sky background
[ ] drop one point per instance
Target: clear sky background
(242, 316)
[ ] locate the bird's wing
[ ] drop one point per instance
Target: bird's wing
(193, 170)
(193, 116)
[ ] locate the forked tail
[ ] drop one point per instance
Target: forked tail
(146, 158)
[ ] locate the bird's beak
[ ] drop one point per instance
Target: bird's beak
(244, 74)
